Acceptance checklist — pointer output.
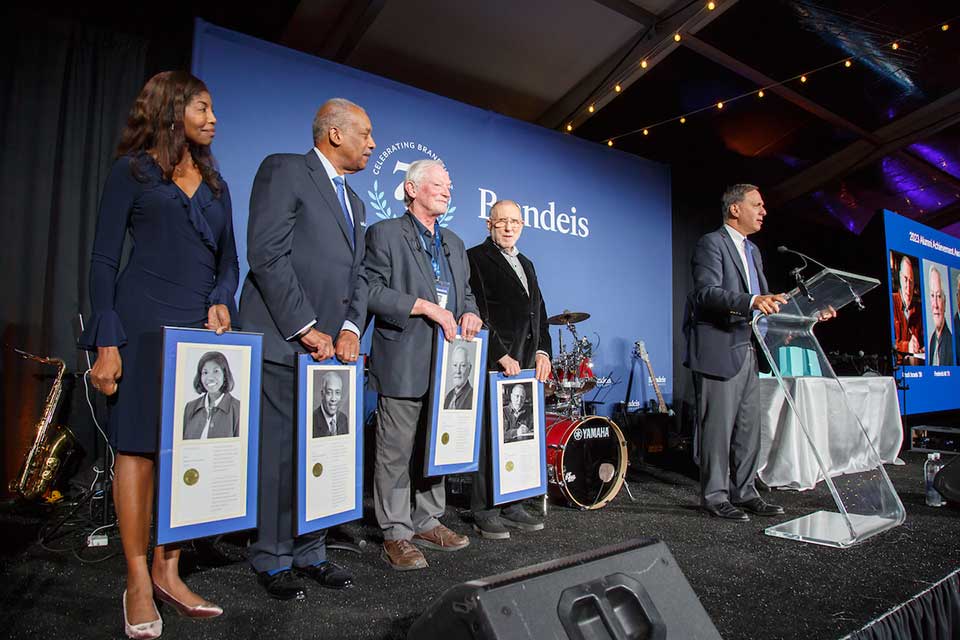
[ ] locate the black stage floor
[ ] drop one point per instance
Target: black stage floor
(752, 585)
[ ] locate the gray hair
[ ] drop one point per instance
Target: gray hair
(327, 377)
(334, 113)
(734, 195)
(416, 172)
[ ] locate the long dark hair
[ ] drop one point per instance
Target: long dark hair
(155, 124)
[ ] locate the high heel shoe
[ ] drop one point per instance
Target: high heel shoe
(144, 630)
(204, 610)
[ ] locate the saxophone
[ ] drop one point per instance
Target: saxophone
(52, 443)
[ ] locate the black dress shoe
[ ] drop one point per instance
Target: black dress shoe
(759, 507)
(726, 511)
(282, 585)
(328, 574)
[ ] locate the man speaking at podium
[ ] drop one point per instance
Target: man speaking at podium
(729, 288)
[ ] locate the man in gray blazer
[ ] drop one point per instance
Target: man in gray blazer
(305, 244)
(729, 287)
(419, 279)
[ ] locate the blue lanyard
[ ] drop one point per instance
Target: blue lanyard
(435, 256)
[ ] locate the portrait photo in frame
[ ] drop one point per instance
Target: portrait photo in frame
(517, 436)
(329, 458)
(209, 433)
(456, 404)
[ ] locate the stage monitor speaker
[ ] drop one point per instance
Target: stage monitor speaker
(947, 481)
(633, 590)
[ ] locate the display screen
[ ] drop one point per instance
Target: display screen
(923, 267)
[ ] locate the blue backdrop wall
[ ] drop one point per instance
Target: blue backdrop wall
(598, 219)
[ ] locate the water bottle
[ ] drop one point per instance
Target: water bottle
(930, 469)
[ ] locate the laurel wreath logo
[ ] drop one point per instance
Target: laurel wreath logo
(379, 204)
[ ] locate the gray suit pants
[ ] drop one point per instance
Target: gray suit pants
(728, 423)
(401, 438)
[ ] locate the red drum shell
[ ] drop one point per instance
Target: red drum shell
(576, 464)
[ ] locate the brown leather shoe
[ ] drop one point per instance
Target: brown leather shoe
(441, 538)
(402, 556)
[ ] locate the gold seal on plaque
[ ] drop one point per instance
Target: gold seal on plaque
(445, 438)
(190, 477)
(510, 465)
(317, 470)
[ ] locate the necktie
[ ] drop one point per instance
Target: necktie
(752, 270)
(342, 196)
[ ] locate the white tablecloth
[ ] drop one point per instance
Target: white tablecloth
(786, 459)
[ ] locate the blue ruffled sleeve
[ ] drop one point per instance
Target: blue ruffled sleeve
(119, 193)
(228, 266)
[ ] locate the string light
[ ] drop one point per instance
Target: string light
(677, 37)
(711, 6)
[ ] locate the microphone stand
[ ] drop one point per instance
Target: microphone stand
(803, 288)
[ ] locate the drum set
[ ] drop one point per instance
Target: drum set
(586, 455)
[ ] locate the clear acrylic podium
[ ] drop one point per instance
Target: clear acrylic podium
(866, 502)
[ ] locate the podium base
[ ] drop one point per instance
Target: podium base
(832, 529)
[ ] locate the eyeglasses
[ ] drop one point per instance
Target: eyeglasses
(505, 222)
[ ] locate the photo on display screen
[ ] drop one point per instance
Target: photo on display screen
(908, 335)
(937, 309)
(955, 297)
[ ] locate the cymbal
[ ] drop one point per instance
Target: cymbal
(568, 317)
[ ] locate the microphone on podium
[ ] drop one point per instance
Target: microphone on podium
(805, 257)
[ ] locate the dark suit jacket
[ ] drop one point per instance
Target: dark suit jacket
(718, 314)
(225, 422)
(462, 400)
(302, 264)
(945, 347)
(398, 271)
(321, 429)
(956, 336)
(513, 423)
(517, 322)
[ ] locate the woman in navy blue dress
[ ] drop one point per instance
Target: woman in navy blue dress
(182, 270)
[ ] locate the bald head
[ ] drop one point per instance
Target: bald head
(343, 134)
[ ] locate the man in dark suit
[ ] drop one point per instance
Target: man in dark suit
(956, 317)
(940, 351)
(461, 396)
(729, 287)
(328, 420)
(418, 280)
(505, 285)
(305, 246)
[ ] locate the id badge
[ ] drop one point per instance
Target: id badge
(443, 292)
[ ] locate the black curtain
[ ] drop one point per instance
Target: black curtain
(65, 90)
(932, 615)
